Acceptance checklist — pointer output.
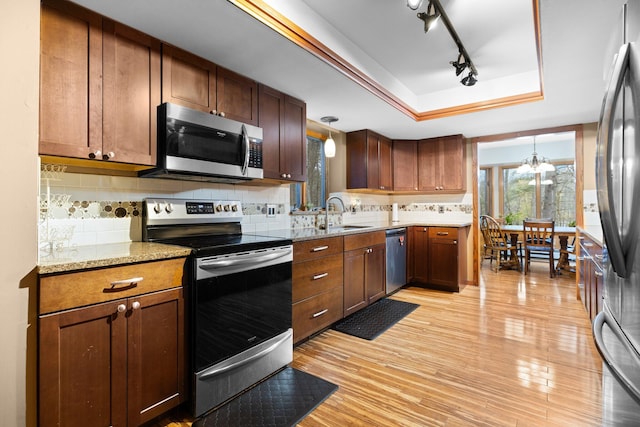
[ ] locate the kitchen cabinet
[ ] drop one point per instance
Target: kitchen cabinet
(590, 280)
(99, 87)
(405, 165)
(196, 83)
(441, 165)
(439, 257)
(283, 120)
(111, 344)
(369, 161)
(364, 270)
(317, 285)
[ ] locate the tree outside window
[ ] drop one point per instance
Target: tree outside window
(311, 194)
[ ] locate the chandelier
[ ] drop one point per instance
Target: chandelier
(535, 163)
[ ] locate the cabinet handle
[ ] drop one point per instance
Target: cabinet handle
(597, 274)
(320, 313)
(110, 155)
(442, 233)
(135, 305)
(95, 154)
(129, 284)
(368, 251)
(320, 276)
(319, 248)
(121, 308)
(599, 256)
(214, 112)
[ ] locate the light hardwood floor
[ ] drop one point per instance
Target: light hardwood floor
(515, 351)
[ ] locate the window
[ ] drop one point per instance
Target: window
(311, 194)
(544, 195)
(485, 180)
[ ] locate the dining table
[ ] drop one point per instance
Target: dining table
(516, 231)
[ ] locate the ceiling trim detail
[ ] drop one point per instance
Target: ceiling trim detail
(264, 13)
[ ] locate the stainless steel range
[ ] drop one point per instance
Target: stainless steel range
(239, 290)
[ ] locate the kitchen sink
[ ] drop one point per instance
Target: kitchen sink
(347, 227)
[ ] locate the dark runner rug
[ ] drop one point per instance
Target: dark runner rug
(282, 400)
(373, 320)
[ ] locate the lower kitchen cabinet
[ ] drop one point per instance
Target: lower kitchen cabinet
(317, 285)
(590, 280)
(119, 362)
(439, 257)
(364, 270)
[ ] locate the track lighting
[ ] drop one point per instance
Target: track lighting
(433, 12)
(459, 64)
(470, 80)
(430, 16)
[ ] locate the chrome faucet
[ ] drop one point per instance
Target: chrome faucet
(326, 210)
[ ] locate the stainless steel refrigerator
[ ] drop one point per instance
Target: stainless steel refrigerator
(616, 329)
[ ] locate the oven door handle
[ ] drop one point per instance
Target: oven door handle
(245, 259)
(222, 369)
(246, 144)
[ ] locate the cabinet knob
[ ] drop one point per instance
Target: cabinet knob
(214, 112)
(121, 308)
(110, 155)
(221, 114)
(135, 305)
(95, 154)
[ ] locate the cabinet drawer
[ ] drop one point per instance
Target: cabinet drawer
(72, 290)
(312, 249)
(363, 240)
(443, 233)
(313, 314)
(316, 276)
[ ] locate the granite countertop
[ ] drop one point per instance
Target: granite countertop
(92, 256)
(595, 233)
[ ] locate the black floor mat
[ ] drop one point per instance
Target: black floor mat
(280, 401)
(372, 321)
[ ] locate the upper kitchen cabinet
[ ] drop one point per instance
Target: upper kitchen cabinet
(405, 165)
(99, 87)
(441, 165)
(368, 161)
(196, 83)
(283, 120)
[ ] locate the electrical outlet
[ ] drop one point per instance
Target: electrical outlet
(440, 209)
(271, 211)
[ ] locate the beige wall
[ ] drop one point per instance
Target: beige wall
(589, 155)
(19, 45)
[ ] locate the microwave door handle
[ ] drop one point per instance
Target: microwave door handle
(604, 173)
(603, 318)
(245, 144)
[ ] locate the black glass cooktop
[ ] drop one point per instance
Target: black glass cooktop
(222, 244)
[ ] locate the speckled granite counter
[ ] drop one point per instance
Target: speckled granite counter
(595, 233)
(86, 257)
(302, 234)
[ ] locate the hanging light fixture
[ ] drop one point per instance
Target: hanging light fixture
(329, 144)
(459, 64)
(535, 164)
(430, 16)
(470, 80)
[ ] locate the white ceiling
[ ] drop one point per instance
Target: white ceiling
(385, 40)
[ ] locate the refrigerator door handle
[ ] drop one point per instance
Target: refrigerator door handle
(598, 324)
(604, 174)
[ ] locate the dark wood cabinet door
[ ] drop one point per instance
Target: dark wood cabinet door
(420, 238)
(293, 149)
(188, 80)
(385, 178)
(156, 354)
(70, 81)
(357, 159)
(443, 263)
(405, 165)
(452, 163)
(237, 97)
(375, 273)
(373, 161)
(131, 94)
(428, 165)
(355, 292)
(82, 367)
(271, 120)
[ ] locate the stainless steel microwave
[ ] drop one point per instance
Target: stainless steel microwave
(193, 145)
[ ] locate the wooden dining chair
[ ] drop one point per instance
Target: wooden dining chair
(502, 249)
(538, 238)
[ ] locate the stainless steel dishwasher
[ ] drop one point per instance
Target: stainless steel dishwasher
(396, 259)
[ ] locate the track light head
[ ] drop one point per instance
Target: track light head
(460, 64)
(414, 4)
(470, 80)
(430, 16)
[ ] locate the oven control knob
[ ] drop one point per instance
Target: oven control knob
(234, 208)
(218, 208)
(169, 208)
(157, 208)
(226, 208)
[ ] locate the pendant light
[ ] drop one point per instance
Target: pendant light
(329, 144)
(535, 163)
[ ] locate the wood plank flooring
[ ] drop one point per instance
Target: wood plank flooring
(515, 351)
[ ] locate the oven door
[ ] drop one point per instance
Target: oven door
(242, 322)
